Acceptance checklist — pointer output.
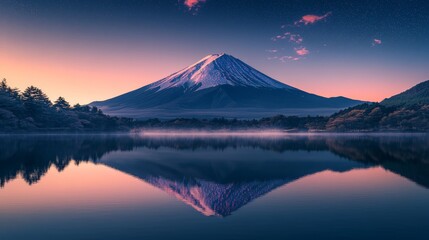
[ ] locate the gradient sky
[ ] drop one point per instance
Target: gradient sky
(94, 50)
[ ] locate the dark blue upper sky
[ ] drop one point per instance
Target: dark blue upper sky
(362, 49)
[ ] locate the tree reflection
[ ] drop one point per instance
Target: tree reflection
(32, 156)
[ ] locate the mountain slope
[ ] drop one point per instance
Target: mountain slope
(215, 70)
(418, 94)
(218, 85)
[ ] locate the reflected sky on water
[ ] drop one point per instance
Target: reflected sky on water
(129, 186)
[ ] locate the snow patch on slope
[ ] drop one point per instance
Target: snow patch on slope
(215, 70)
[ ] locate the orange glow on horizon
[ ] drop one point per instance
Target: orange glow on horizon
(82, 73)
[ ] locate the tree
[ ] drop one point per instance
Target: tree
(10, 99)
(94, 109)
(61, 104)
(5, 89)
(3, 85)
(36, 95)
(80, 108)
(38, 106)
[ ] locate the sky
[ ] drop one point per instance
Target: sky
(94, 50)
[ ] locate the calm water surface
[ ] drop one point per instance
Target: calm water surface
(137, 187)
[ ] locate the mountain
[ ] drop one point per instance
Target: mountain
(219, 85)
(418, 94)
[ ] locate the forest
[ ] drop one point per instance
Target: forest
(32, 111)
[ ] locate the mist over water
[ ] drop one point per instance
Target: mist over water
(263, 133)
(270, 133)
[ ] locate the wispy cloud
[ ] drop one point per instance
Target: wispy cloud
(289, 58)
(272, 50)
(302, 51)
(286, 58)
(311, 19)
(278, 37)
(272, 58)
(376, 42)
(295, 38)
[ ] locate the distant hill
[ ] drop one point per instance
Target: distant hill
(418, 94)
(407, 111)
(378, 117)
(219, 85)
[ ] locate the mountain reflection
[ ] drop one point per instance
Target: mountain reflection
(216, 176)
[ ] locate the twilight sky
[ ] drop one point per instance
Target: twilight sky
(88, 50)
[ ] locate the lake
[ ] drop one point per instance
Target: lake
(214, 186)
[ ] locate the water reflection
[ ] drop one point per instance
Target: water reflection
(216, 176)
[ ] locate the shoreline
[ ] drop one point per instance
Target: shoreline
(218, 133)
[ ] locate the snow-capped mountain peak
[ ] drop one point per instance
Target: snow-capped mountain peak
(219, 85)
(214, 70)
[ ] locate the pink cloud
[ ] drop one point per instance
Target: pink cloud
(272, 58)
(191, 4)
(311, 19)
(302, 51)
(376, 42)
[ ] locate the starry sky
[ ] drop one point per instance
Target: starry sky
(94, 50)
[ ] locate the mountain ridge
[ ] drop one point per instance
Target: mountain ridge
(418, 94)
